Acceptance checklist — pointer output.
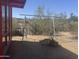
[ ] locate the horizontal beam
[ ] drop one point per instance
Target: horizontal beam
(38, 15)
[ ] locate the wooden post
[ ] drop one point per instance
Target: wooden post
(10, 22)
(1, 45)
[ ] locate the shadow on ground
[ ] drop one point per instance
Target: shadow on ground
(34, 50)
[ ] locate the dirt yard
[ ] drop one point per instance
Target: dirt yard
(68, 47)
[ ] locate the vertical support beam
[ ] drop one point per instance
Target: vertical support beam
(6, 29)
(10, 22)
(1, 45)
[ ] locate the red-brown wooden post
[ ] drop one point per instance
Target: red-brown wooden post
(10, 22)
(1, 49)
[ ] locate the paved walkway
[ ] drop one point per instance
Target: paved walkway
(34, 50)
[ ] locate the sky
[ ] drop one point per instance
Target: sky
(53, 6)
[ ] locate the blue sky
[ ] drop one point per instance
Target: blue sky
(54, 6)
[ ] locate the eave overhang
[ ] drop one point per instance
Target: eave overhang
(14, 3)
(17, 3)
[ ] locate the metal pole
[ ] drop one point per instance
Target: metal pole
(53, 29)
(25, 26)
